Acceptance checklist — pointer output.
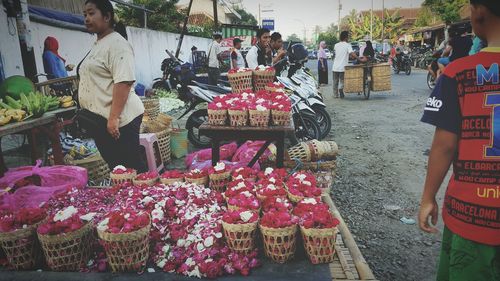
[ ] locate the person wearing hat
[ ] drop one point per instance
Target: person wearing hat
(237, 60)
(214, 59)
(192, 57)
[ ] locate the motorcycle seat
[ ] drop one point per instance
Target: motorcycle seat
(212, 88)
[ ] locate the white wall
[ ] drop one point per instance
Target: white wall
(73, 44)
(9, 46)
(149, 48)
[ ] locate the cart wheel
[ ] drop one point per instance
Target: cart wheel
(367, 88)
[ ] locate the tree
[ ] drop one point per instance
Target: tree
(447, 10)
(425, 17)
(359, 25)
(246, 18)
(165, 16)
(293, 38)
(329, 38)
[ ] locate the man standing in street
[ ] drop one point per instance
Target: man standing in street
(214, 59)
(237, 60)
(465, 95)
(277, 51)
(343, 50)
(257, 54)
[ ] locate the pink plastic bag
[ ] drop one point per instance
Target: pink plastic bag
(247, 151)
(226, 152)
(53, 180)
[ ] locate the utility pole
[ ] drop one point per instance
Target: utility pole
(216, 18)
(184, 29)
(371, 23)
(338, 25)
(383, 19)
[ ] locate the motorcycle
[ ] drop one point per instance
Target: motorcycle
(404, 65)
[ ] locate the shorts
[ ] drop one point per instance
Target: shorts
(466, 260)
(444, 61)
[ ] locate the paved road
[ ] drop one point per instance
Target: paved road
(381, 173)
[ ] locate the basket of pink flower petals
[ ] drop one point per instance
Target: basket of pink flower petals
(121, 174)
(240, 79)
(240, 228)
(197, 176)
(147, 179)
(18, 236)
(66, 239)
(262, 76)
(279, 229)
(125, 237)
(219, 176)
(217, 111)
(171, 177)
(281, 108)
(302, 185)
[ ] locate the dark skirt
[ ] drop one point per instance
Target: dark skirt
(323, 74)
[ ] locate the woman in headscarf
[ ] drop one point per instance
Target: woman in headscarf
(53, 63)
(322, 64)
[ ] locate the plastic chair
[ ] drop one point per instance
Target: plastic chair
(152, 152)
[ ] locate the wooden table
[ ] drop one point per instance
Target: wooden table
(228, 133)
(50, 124)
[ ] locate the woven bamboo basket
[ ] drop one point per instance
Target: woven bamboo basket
(164, 145)
(301, 152)
(164, 119)
(69, 251)
(281, 118)
(171, 181)
(217, 117)
(152, 126)
(199, 181)
(259, 118)
(324, 180)
(381, 77)
(122, 178)
(21, 247)
(151, 108)
(218, 182)
(126, 251)
(273, 89)
(149, 182)
(261, 78)
(66, 86)
(353, 79)
(238, 118)
(319, 244)
(279, 243)
(240, 81)
(97, 168)
(240, 237)
(322, 150)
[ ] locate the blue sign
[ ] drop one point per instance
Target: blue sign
(268, 23)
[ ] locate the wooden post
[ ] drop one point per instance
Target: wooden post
(216, 17)
(184, 29)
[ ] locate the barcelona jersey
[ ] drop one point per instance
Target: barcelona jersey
(466, 101)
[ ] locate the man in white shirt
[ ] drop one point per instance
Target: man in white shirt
(343, 50)
(237, 60)
(214, 59)
(257, 54)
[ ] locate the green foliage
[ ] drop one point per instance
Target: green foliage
(329, 36)
(359, 25)
(165, 16)
(205, 30)
(425, 17)
(246, 17)
(293, 38)
(447, 10)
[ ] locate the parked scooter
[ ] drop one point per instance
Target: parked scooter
(404, 65)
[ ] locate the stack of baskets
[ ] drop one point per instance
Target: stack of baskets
(21, 247)
(353, 79)
(261, 78)
(240, 81)
(318, 157)
(381, 77)
(151, 108)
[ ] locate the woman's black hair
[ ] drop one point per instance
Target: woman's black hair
(344, 35)
(369, 51)
(106, 9)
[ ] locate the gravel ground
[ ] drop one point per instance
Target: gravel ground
(381, 174)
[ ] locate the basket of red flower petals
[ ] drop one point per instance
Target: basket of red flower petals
(274, 86)
(279, 231)
(277, 204)
(197, 176)
(239, 229)
(238, 113)
(170, 177)
(262, 76)
(120, 175)
(217, 111)
(147, 179)
(244, 173)
(219, 176)
(125, 237)
(319, 231)
(259, 112)
(269, 172)
(243, 201)
(66, 238)
(240, 79)
(302, 185)
(271, 187)
(237, 186)
(18, 236)
(281, 108)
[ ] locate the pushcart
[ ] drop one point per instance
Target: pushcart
(367, 77)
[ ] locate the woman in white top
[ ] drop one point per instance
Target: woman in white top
(105, 90)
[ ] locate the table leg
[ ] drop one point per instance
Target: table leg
(33, 142)
(3, 168)
(215, 151)
(259, 153)
(280, 150)
(52, 132)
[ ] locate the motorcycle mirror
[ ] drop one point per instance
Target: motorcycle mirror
(179, 86)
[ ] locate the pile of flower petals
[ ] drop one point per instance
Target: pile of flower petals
(22, 218)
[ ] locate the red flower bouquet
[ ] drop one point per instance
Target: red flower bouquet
(22, 218)
(244, 173)
(243, 201)
(276, 204)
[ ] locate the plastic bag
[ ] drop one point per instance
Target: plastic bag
(226, 152)
(179, 143)
(53, 180)
(249, 149)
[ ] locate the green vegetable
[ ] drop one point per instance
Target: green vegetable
(15, 85)
(4, 105)
(13, 103)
